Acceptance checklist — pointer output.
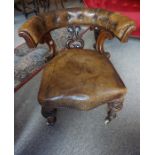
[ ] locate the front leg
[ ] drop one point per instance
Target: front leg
(50, 115)
(113, 107)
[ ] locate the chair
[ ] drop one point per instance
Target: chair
(75, 77)
(27, 6)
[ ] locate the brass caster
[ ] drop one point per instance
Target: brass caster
(111, 115)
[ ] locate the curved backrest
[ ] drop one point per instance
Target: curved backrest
(35, 28)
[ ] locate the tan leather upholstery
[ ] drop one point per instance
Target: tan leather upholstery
(35, 28)
(79, 78)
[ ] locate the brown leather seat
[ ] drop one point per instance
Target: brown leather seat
(80, 78)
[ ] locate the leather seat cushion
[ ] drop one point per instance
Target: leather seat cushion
(78, 78)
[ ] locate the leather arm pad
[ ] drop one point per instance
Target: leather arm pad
(124, 26)
(33, 31)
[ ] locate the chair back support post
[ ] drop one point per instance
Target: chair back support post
(50, 42)
(103, 35)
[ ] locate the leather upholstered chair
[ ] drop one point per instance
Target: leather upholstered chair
(76, 77)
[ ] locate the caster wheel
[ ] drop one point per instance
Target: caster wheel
(51, 120)
(110, 117)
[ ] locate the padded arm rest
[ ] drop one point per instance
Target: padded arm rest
(33, 31)
(121, 26)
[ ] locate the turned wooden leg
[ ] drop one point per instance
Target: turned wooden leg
(113, 108)
(50, 115)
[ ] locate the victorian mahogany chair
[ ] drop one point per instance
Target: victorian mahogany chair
(76, 77)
